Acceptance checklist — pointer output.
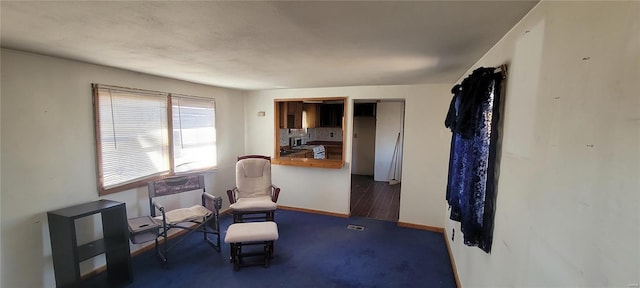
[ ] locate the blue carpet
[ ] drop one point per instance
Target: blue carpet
(313, 251)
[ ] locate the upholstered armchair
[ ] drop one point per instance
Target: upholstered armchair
(254, 197)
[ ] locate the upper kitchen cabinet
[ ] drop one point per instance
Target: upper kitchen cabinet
(331, 114)
(290, 114)
(310, 116)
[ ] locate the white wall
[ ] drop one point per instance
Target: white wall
(48, 154)
(568, 202)
(388, 128)
(425, 151)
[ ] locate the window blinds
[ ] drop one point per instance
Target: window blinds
(132, 134)
(194, 133)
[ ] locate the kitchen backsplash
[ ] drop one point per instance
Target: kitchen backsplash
(324, 134)
(311, 134)
(285, 134)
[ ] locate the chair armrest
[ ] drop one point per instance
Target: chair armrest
(232, 195)
(275, 192)
(217, 201)
(159, 206)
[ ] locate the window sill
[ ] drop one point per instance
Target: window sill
(308, 162)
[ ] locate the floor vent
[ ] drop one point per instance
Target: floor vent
(355, 227)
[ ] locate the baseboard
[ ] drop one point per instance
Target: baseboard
(421, 227)
(313, 211)
(145, 248)
(93, 272)
(451, 259)
(225, 212)
(150, 245)
(444, 234)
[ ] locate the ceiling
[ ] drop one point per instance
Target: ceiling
(270, 44)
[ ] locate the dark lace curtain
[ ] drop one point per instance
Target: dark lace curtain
(473, 119)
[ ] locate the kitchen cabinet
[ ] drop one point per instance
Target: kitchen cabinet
(294, 114)
(306, 153)
(282, 114)
(311, 116)
(290, 114)
(333, 152)
(331, 115)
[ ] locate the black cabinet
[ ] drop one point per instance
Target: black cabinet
(67, 255)
(331, 115)
(364, 109)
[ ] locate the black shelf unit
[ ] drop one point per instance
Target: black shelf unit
(67, 255)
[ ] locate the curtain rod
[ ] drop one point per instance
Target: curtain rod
(502, 69)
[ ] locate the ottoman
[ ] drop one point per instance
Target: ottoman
(240, 235)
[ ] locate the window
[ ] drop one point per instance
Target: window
(134, 145)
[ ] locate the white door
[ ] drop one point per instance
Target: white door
(364, 139)
(389, 123)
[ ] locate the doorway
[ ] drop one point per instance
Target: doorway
(378, 130)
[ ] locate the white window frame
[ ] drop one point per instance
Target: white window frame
(168, 158)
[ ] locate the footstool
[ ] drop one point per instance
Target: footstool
(251, 233)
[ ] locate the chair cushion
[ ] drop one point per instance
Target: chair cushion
(262, 203)
(194, 212)
(253, 177)
(252, 232)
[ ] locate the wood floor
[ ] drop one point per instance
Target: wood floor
(374, 199)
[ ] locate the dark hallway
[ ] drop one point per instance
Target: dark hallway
(374, 199)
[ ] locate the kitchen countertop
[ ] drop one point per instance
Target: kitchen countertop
(326, 143)
(309, 162)
(293, 156)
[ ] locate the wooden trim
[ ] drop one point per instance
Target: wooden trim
(345, 108)
(94, 272)
(96, 133)
(341, 215)
(225, 212)
(421, 227)
(451, 259)
(145, 248)
(309, 162)
(172, 162)
(276, 129)
(444, 234)
(333, 98)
